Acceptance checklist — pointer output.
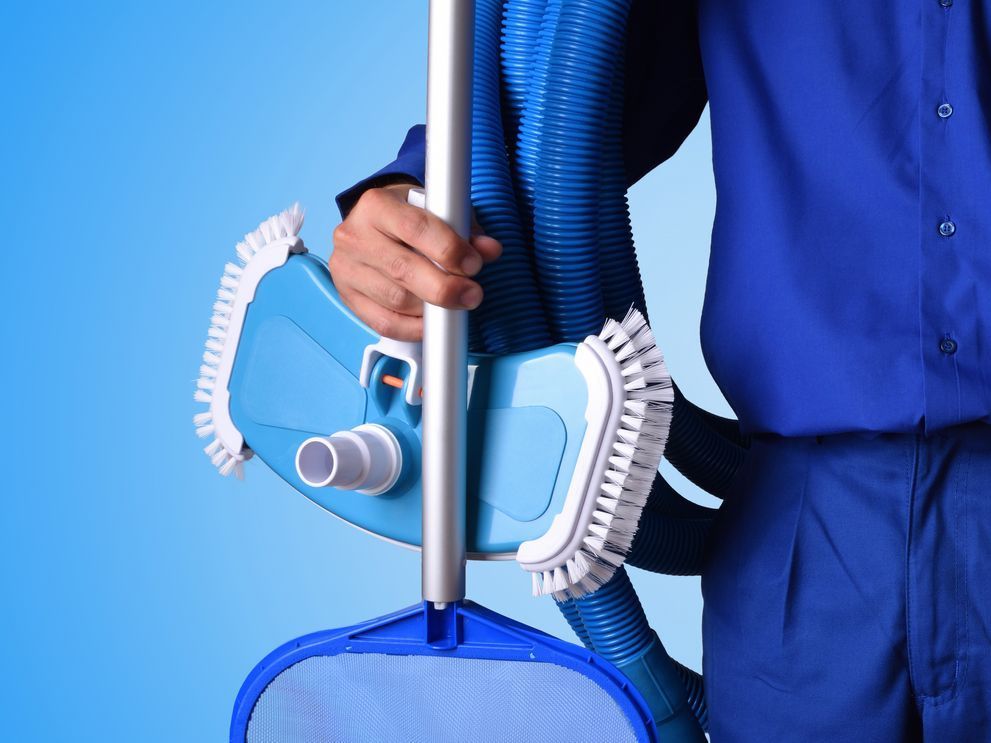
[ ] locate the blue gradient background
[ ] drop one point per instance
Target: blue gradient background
(139, 588)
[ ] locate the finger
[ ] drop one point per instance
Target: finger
(382, 320)
(417, 274)
(429, 235)
(488, 247)
(375, 285)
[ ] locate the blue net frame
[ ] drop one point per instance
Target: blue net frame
(462, 673)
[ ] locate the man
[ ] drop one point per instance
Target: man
(847, 321)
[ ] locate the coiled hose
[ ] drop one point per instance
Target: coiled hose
(699, 451)
(527, 46)
(622, 286)
(579, 47)
(563, 72)
(588, 39)
(695, 687)
(691, 680)
(512, 317)
(617, 629)
(670, 545)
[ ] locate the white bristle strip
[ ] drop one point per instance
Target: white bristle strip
(598, 530)
(616, 478)
(255, 241)
(621, 464)
(284, 225)
(577, 568)
(628, 437)
(636, 407)
(632, 422)
(602, 520)
(624, 352)
(635, 368)
(635, 452)
(244, 252)
(637, 383)
(612, 490)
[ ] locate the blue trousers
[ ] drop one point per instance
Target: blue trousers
(848, 591)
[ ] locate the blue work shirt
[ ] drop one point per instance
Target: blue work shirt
(849, 284)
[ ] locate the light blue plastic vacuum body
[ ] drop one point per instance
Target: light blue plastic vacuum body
(296, 375)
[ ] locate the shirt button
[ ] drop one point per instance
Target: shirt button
(945, 111)
(948, 346)
(947, 228)
(946, 3)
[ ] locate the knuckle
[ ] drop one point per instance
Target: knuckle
(449, 249)
(445, 292)
(382, 324)
(342, 234)
(415, 225)
(397, 297)
(400, 267)
(368, 200)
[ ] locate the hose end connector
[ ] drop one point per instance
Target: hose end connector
(368, 458)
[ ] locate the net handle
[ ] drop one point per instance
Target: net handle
(445, 332)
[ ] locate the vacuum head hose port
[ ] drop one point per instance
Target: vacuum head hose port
(367, 458)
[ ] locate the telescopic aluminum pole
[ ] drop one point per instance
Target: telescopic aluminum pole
(445, 332)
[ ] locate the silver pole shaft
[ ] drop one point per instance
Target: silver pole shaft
(445, 332)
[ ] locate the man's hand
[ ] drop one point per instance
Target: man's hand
(381, 269)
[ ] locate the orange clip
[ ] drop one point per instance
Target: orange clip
(392, 381)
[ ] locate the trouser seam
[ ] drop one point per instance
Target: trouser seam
(959, 582)
(959, 585)
(910, 486)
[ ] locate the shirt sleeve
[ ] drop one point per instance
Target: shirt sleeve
(409, 166)
(664, 97)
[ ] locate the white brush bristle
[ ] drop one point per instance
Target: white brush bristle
(284, 225)
(636, 451)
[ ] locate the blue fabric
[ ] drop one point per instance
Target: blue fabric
(410, 165)
(830, 287)
(834, 302)
(846, 591)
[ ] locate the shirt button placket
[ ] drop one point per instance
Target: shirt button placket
(943, 259)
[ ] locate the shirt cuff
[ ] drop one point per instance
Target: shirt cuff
(409, 166)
